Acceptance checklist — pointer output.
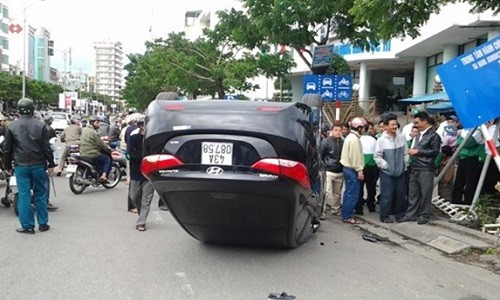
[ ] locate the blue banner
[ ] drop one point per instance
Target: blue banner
(472, 81)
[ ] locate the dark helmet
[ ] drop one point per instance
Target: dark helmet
(25, 106)
(140, 120)
(48, 119)
(94, 118)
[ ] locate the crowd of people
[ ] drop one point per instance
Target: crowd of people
(29, 147)
(403, 162)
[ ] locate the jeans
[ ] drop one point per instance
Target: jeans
(103, 161)
(392, 188)
(32, 177)
(351, 193)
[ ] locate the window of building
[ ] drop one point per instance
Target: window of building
(435, 60)
(4, 43)
(5, 59)
(4, 27)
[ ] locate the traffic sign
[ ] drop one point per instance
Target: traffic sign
(322, 56)
(330, 87)
(470, 83)
(15, 28)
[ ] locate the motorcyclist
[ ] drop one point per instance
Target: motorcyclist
(70, 136)
(92, 146)
(114, 133)
(3, 124)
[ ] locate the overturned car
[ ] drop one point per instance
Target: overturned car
(236, 172)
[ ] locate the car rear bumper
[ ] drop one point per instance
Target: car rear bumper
(274, 213)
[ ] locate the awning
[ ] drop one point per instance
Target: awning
(440, 108)
(426, 98)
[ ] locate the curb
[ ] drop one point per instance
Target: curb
(445, 238)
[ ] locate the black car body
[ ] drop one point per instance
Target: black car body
(236, 172)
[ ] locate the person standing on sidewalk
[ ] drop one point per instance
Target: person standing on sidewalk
(141, 191)
(423, 154)
(330, 150)
(27, 144)
(353, 161)
(392, 158)
(469, 167)
(370, 172)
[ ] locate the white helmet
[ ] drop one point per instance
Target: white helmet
(358, 122)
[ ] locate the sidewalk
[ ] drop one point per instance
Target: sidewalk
(439, 233)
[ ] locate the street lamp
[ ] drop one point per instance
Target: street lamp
(24, 43)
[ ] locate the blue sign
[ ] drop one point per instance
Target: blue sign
(322, 56)
(231, 97)
(472, 83)
(330, 87)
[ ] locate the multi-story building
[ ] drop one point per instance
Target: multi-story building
(109, 68)
(408, 66)
(4, 41)
(42, 58)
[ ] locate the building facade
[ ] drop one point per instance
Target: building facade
(109, 68)
(42, 58)
(4, 40)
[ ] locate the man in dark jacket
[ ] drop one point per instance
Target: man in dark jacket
(27, 144)
(330, 150)
(423, 152)
(141, 191)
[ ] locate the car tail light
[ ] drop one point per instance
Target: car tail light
(173, 107)
(153, 163)
(288, 168)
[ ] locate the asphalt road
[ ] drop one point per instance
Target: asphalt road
(93, 252)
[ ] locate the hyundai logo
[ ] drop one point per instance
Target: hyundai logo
(214, 170)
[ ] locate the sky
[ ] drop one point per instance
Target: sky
(77, 24)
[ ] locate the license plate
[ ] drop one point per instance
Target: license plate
(216, 153)
(71, 168)
(12, 181)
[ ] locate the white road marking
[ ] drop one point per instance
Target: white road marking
(184, 283)
(158, 217)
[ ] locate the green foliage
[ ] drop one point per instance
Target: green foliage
(338, 65)
(44, 94)
(285, 84)
(211, 65)
(487, 210)
(361, 22)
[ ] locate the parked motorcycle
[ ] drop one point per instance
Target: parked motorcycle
(82, 173)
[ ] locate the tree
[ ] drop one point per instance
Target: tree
(212, 64)
(364, 23)
(41, 92)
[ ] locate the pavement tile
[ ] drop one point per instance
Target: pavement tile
(448, 245)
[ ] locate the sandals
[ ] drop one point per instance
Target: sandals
(350, 221)
(140, 227)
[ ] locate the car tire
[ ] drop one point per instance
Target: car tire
(167, 96)
(312, 100)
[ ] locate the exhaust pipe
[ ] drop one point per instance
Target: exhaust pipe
(84, 181)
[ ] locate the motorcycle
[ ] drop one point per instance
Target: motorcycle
(82, 173)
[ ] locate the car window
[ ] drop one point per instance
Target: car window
(59, 116)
